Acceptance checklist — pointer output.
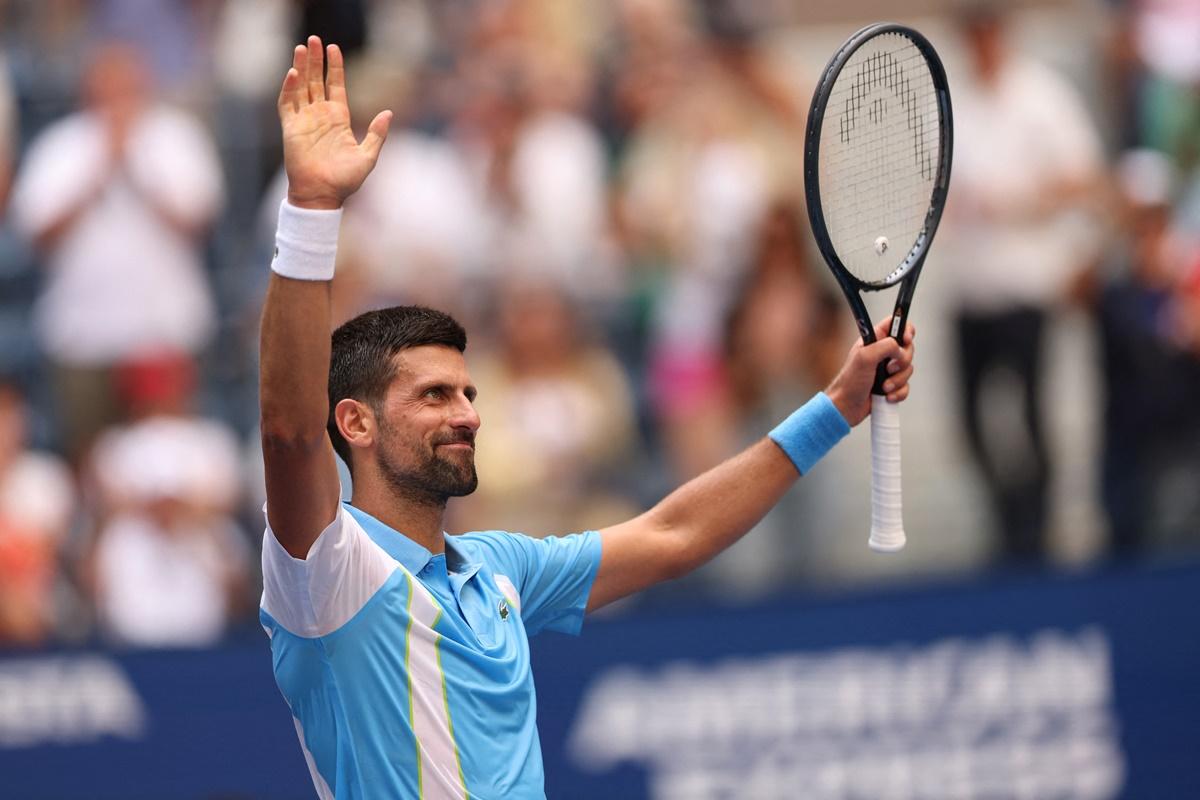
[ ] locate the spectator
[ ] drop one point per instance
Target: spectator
(120, 226)
(558, 174)
(418, 234)
(559, 406)
(170, 564)
(1151, 434)
(37, 502)
(1026, 158)
(539, 165)
(783, 341)
(694, 189)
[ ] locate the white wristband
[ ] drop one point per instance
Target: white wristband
(306, 242)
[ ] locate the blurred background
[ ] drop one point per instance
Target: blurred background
(610, 197)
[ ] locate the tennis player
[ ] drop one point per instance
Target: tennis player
(403, 652)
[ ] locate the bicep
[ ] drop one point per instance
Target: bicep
(634, 555)
(303, 491)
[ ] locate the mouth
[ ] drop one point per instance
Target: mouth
(463, 446)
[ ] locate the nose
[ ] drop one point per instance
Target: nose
(464, 415)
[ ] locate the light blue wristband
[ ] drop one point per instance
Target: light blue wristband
(810, 432)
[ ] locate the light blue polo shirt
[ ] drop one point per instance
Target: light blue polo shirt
(408, 673)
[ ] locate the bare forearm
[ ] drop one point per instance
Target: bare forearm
(294, 353)
(693, 523)
(711, 512)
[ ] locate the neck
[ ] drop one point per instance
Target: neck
(417, 517)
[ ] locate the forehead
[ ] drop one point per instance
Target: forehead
(430, 363)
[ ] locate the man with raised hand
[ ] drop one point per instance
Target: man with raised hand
(403, 652)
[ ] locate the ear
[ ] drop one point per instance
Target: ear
(356, 422)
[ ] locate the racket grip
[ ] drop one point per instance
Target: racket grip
(887, 523)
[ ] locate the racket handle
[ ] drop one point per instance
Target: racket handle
(887, 523)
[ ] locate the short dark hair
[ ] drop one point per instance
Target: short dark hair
(361, 364)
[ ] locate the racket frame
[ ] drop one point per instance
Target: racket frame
(887, 524)
(910, 268)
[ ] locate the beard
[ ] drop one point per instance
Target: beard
(426, 475)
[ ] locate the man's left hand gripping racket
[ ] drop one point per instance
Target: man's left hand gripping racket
(876, 169)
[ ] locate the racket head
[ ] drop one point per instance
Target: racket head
(877, 154)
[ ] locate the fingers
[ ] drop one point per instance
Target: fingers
(879, 351)
(376, 134)
(335, 82)
(315, 70)
(897, 385)
(294, 93)
(290, 93)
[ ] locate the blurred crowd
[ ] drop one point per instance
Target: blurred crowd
(610, 197)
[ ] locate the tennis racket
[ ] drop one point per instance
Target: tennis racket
(876, 170)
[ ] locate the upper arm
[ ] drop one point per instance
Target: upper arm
(303, 490)
(301, 475)
(634, 555)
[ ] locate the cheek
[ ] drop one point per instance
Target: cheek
(408, 433)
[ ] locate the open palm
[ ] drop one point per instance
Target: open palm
(325, 164)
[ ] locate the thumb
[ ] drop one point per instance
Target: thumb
(376, 134)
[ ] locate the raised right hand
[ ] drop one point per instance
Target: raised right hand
(325, 164)
(850, 390)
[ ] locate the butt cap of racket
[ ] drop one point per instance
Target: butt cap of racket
(887, 519)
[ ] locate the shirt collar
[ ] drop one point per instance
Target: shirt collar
(460, 559)
(413, 556)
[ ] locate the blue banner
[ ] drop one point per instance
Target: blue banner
(1025, 687)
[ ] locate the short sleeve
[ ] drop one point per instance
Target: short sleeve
(553, 576)
(49, 185)
(315, 596)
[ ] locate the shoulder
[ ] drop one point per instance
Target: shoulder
(75, 132)
(486, 545)
(317, 595)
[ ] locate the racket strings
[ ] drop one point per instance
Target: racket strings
(879, 157)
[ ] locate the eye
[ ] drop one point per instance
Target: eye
(433, 393)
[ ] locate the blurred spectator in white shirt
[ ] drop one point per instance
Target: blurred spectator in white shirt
(170, 563)
(37, 502)
(117, 197)
(1027, 160)
(417, 232)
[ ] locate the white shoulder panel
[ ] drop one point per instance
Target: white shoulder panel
(315, 596)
